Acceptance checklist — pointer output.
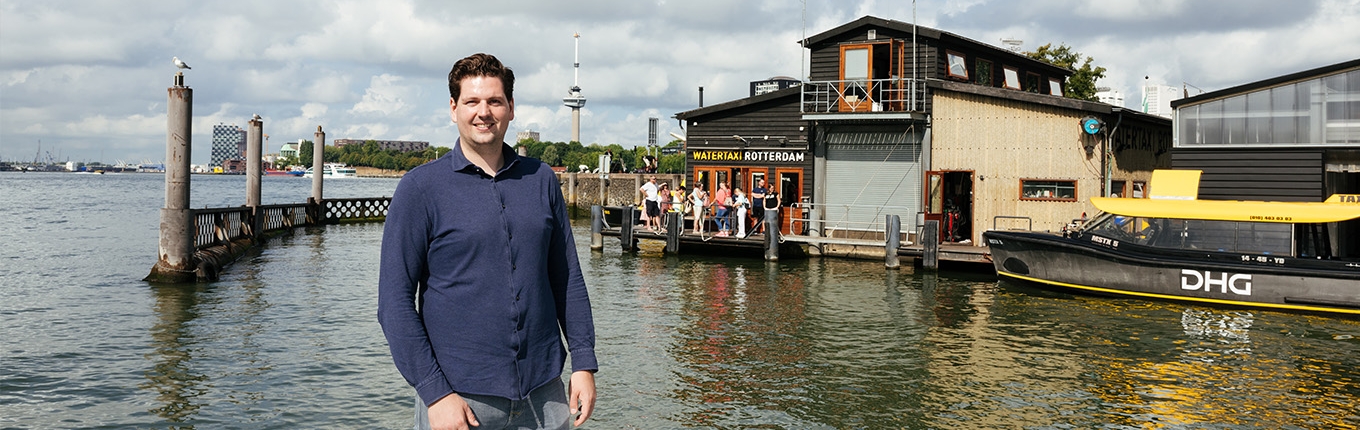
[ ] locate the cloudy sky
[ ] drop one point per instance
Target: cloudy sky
(88, 79)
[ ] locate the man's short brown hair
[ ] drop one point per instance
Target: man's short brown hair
(481, 64)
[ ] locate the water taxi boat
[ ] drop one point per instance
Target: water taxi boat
(332, 170)
(1173, 246)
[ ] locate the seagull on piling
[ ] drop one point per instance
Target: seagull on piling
(180, 64)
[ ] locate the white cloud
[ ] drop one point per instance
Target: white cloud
(384, 96)
(73, 74)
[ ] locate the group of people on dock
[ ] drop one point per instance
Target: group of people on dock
(728, 207)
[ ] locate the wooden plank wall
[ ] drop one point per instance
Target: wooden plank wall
(1003, 141)
(1242, 174)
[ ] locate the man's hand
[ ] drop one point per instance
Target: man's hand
(582, 395)
(453, 413)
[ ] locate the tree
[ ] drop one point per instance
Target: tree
(550, 155)
(1082, 84)
(305, 153)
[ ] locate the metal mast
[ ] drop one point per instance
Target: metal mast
(574, 99)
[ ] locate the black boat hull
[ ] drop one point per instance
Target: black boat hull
(1099, 265)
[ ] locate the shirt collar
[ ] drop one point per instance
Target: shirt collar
(461, 162)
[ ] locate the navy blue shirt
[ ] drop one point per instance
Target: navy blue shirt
(479, 279)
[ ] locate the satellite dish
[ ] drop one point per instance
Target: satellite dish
(1092, 125)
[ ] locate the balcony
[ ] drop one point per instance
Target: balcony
(876, 98)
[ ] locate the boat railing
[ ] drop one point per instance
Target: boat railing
(219, 226)
(1029, 223)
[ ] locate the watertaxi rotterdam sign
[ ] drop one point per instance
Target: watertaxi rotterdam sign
(753, 156)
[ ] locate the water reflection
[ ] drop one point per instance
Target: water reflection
(172, 376)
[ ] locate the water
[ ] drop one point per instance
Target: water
(288, 338)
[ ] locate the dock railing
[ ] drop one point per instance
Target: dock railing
(219, 226)
(849, 220)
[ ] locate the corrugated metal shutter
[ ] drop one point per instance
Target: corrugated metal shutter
(871, 174)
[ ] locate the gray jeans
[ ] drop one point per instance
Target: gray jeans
(545, 408)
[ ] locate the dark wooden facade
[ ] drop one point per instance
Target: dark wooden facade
(893, 53)
(1294, 175)
(760, 136)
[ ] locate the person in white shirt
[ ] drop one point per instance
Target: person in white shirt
(652, 204)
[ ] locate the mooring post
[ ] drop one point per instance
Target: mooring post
(604, 185)
(254, 173)
(674, 226)
(772, 234)
(930, 244)
(626, 228)
(318, 169)
(176, 263)
(597, 227)
(571, 191)
(637, 185)
(893, 229)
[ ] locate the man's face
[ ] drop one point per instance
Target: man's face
(482, 112)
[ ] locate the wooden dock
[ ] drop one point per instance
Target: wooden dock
(807, 246)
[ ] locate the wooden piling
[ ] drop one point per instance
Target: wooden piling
(176, 248)
(675, 225)
(930, 244)
(626, 238)
(772, 234)
(597, 227)
(571, 190)
(893, 229)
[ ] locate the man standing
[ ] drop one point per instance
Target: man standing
(479, 278)
(651, 204)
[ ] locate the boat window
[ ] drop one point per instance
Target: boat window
(1223, 236)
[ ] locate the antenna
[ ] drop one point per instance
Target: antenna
(574, 99)
(1012, 44)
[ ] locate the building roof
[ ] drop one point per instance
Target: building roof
(747, 101)
(1266, 83)
(1097, 108)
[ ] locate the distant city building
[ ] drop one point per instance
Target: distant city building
(228, 142)
(233, 165)
(771, 85)
(527, 134)
(1157, 99)
(1109, 96)
(399, 145)
(290, 149)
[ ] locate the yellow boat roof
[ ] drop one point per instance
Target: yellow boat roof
(1334, 210)
(1174, 194)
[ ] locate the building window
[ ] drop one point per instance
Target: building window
(1138, 187)
(1032, 82)
(984, 73)
(958, 68)
(1055, 87)
(1116, 188)
(1012, 78)
(1048, 190)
